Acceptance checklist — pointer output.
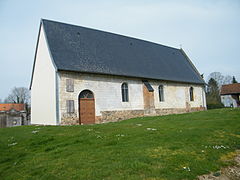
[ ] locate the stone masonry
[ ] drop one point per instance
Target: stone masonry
(108, 101)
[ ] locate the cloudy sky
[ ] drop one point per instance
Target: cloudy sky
(208, 31)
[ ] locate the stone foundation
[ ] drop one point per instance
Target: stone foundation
(114, 116)
(167, 111)
(69, 119)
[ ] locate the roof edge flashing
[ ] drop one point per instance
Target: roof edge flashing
(49, 49)
(191, 63)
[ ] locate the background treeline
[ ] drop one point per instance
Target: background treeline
(214, 84)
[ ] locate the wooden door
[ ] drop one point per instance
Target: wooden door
(86, 107)
(148, 98)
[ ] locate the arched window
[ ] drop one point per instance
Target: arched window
(86, 94)
(191, 94)
(124, 92)
(161, 93)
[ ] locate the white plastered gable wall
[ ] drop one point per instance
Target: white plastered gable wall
(43, 87)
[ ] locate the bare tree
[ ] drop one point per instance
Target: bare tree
(220, 79)
(227, 79)
(19, 95)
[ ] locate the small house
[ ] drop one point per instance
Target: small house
(12, 114)
(230, 95)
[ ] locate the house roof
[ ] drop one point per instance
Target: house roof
(81, 49)
(9, 106)
(230, 89)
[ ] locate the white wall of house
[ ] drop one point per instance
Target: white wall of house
(107, 92)
(228, 101)
(43, 89)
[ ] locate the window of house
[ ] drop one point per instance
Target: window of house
(161, 93)
(124, 92)
(70, 106)
(191, 94)
(69, 85)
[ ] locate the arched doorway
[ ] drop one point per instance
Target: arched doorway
(86, 107)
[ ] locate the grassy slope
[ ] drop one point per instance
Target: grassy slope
(122, 150)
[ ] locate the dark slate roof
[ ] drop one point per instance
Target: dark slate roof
(80, 49)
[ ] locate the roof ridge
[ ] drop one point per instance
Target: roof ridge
(125, 36)
(231, 84)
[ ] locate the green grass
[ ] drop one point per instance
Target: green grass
(123, 150)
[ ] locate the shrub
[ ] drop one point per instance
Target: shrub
(215, 106)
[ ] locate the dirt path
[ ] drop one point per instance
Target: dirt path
(228, 173)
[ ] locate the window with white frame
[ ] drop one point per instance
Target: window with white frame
(191, 94)
(161, 93)
(124, 88)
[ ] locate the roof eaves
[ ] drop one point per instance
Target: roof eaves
(230, 93)
(139, 77)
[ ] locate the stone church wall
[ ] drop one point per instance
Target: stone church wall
(108, 100)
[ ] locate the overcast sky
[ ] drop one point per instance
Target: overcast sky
(209, 31)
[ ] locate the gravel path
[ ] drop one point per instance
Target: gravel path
(228, 173)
